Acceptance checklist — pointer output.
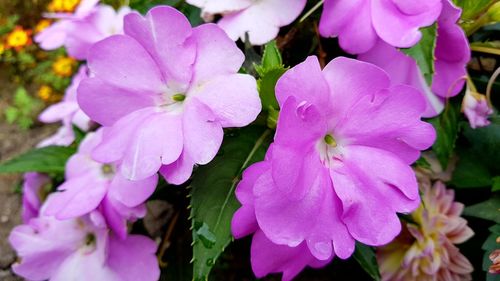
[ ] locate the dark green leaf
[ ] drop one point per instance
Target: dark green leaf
(423, 52)
(496, 184)
(212, 199)
(489, 246)
(365, 256)
(79, 134)
(51, 159)
(266, 85)
(488, 210)
(470, 172)
(446, 126)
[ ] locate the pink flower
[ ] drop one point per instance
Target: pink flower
(452, 54)
(260, 19)
(425, 250)
(91, 185)
(360, 23)
(338, 170)
(476, 109)
(79, 31)
(81, 249)
(68, 112)
(33, 190)
(166, 90)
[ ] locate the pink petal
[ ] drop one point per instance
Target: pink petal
(132, 193)
(233, 99)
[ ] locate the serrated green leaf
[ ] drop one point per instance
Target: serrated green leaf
(212, 199)
(271, 59)
(423, 52)
(446, 126)
(365, 256)
(51, 159)
(266, 86)
(488, 210)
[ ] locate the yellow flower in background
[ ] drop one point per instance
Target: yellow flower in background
(2, 48)
(64, 66)
(18, 38)
(63, 6)
(42, 25)
(45, 92)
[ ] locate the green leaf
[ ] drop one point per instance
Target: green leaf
(11, 114)
(446, 126)
(365, 256)
(496, 184)
(45, 160)
(469, 173)
(472, 8)
(423, 52)
(266, 86)
(270, 70)
(271, 59)
(213, 201)
(79, 134)
(488, 210)
(489, 246)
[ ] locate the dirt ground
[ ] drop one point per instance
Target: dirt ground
(13, 141)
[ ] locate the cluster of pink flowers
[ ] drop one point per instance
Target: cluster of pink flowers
(163, 92)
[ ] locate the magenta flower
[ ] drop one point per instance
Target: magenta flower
(476, 109)
(315, 189)
(452, 54)
(166, 90)
(68, 112)
(81, 249)
(260, 19)
(79, 31)
(359, 24)
(91, 185)
(33, 186)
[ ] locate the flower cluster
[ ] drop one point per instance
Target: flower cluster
(154, 95)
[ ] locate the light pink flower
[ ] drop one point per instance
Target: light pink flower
(79, 31)
(81, 249)
(91, 185)
(452, 54)
(68, 112)
(166, 90)
(359, 24)
(33, 190)
(476, 109)
(338, 170)
(261, 19)
(425, 251)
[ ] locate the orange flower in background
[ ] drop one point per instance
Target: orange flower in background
(42, 25)
(18, 38)
(48, 95)
(63, 6)
(64, 66)
(45, 92)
